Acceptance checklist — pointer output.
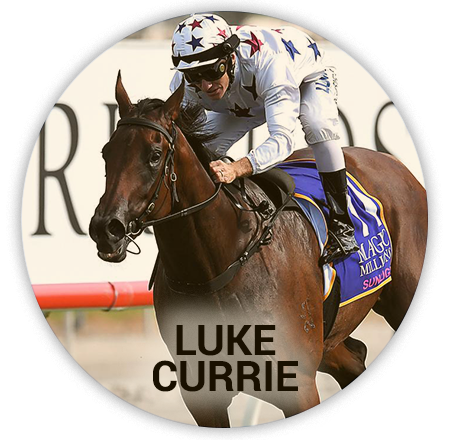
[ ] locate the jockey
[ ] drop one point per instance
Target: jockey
(247, 76)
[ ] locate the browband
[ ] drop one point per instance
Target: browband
(146, 123)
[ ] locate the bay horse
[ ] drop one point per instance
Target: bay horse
(261, 329)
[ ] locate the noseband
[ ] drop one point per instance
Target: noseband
(136, 227)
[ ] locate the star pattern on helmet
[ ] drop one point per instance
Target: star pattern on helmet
(181, 26)
(252, 88)
(290, 48)
(254, 43)
(211, 17)
(241, 112)
(195, 24)
(195, 42)
(278, 30)
(222, 33)
(314, 47)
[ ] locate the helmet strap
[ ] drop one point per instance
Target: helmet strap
(230, 71)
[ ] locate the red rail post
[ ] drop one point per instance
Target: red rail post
(93, 295)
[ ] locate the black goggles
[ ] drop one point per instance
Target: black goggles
(208, 73)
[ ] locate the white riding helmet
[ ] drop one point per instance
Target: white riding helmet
(200, 40)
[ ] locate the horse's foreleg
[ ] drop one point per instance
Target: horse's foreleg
(345, 362)
(208, 410)
(296, 401)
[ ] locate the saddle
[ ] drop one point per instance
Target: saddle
(277, 185)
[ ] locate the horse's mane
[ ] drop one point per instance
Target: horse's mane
(191, 121)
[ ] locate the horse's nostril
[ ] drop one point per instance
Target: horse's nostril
(116, 228)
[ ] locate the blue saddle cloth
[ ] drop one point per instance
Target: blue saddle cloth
(365, 271)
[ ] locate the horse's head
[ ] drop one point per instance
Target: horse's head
(139, 167)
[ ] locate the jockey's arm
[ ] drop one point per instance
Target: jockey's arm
(275, 82)
(282, 111)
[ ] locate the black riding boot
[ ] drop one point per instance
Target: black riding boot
(341, 232)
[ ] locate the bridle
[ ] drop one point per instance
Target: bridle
(137, 226)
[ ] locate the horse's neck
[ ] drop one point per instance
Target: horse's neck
(198, 247)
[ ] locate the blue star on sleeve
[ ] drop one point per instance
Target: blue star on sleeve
(314, 47)
(290, 48)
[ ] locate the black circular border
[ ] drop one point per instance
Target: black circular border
(411, 318)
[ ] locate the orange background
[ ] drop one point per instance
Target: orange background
(393, 402)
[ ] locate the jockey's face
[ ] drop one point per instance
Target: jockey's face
(204, 80)
(215, 89)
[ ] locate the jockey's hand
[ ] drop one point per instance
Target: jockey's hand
(227, 172)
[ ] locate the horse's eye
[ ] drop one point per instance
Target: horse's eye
(155, 156)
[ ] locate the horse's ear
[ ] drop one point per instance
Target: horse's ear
(125, 105)
(173, 104)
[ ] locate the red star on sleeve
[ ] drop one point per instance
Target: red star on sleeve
(254, 43)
